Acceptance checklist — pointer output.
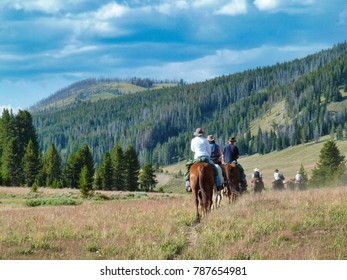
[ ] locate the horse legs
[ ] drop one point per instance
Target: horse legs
(219, 198)
(196, 202)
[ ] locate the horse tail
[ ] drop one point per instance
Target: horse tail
(202, 173)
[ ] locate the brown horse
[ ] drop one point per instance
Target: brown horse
(257, 185)
(233, 174)
(291, 185)
(201, 183)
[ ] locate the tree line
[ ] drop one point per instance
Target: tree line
(22, 163)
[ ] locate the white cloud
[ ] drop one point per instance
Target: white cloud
(8, 107)
(234, 7)
(224, 62)
(100, 22)
(74, 49)
(46, 6)
(203, 3)
(111, 10)
(264, 5)
(10, 57)
(280, 5)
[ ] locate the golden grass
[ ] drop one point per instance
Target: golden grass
(274, 225)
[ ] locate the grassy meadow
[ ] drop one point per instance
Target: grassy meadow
(306, 225)
(290, 225)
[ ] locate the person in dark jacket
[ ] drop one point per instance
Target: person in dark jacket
(230, 154)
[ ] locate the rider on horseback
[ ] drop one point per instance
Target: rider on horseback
(202, 151)
(257, 176)
(231, 154)
(278, 180)
(216, 154)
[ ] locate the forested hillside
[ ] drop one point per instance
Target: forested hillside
(160, 123)
(94, 90)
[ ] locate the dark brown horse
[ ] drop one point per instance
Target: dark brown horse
(257, 185)
(201, 183)
(233, 174)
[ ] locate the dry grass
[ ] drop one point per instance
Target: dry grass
(274, 225)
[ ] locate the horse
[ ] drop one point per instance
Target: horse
(234, 178)
(202, 183)
(217, 194)
(278, 185)
(291, 186)
(257, 185)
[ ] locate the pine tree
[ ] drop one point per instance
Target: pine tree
(118, 163)
(331, 165)
(147, 179)
(10, 167)
(132, 169)
(71, 172)
(106, 172)
(85, 183)
(303, 173)
(31, 164)
(84, 157)
(52, 167)
(7, 128)
(25, 132)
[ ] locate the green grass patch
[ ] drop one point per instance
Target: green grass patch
(52, 201)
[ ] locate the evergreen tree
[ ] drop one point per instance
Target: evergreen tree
(71, 172)
(84, 157)
(303, 173)
(52, 167)
(98, 178)
(31, 164)
(86, 182)
(7, 128)
(10, 167)
(106, 172)
(118, 164)
(331, 165)
(132, 169)
(7, 132)
(25, 132)
(147, 179)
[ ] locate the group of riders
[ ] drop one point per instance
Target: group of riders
(205, 149)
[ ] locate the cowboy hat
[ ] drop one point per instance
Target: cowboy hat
(256, 169)
(210, 138)
(232, 139)
(199, 131)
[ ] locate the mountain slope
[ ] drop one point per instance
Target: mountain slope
(94, 90)
(159, 123)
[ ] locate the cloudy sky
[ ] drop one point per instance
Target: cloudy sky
(46, 45)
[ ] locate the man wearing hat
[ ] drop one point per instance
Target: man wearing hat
(201, 148)
(257, 176)
(231, 154)
(231, 151)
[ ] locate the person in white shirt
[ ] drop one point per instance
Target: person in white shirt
(277, 175)
(200, 145)
(298, 177)
(278, 182)
(202, 149)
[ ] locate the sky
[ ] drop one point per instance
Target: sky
(46, 45)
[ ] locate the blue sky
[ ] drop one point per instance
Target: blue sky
(45, 45)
